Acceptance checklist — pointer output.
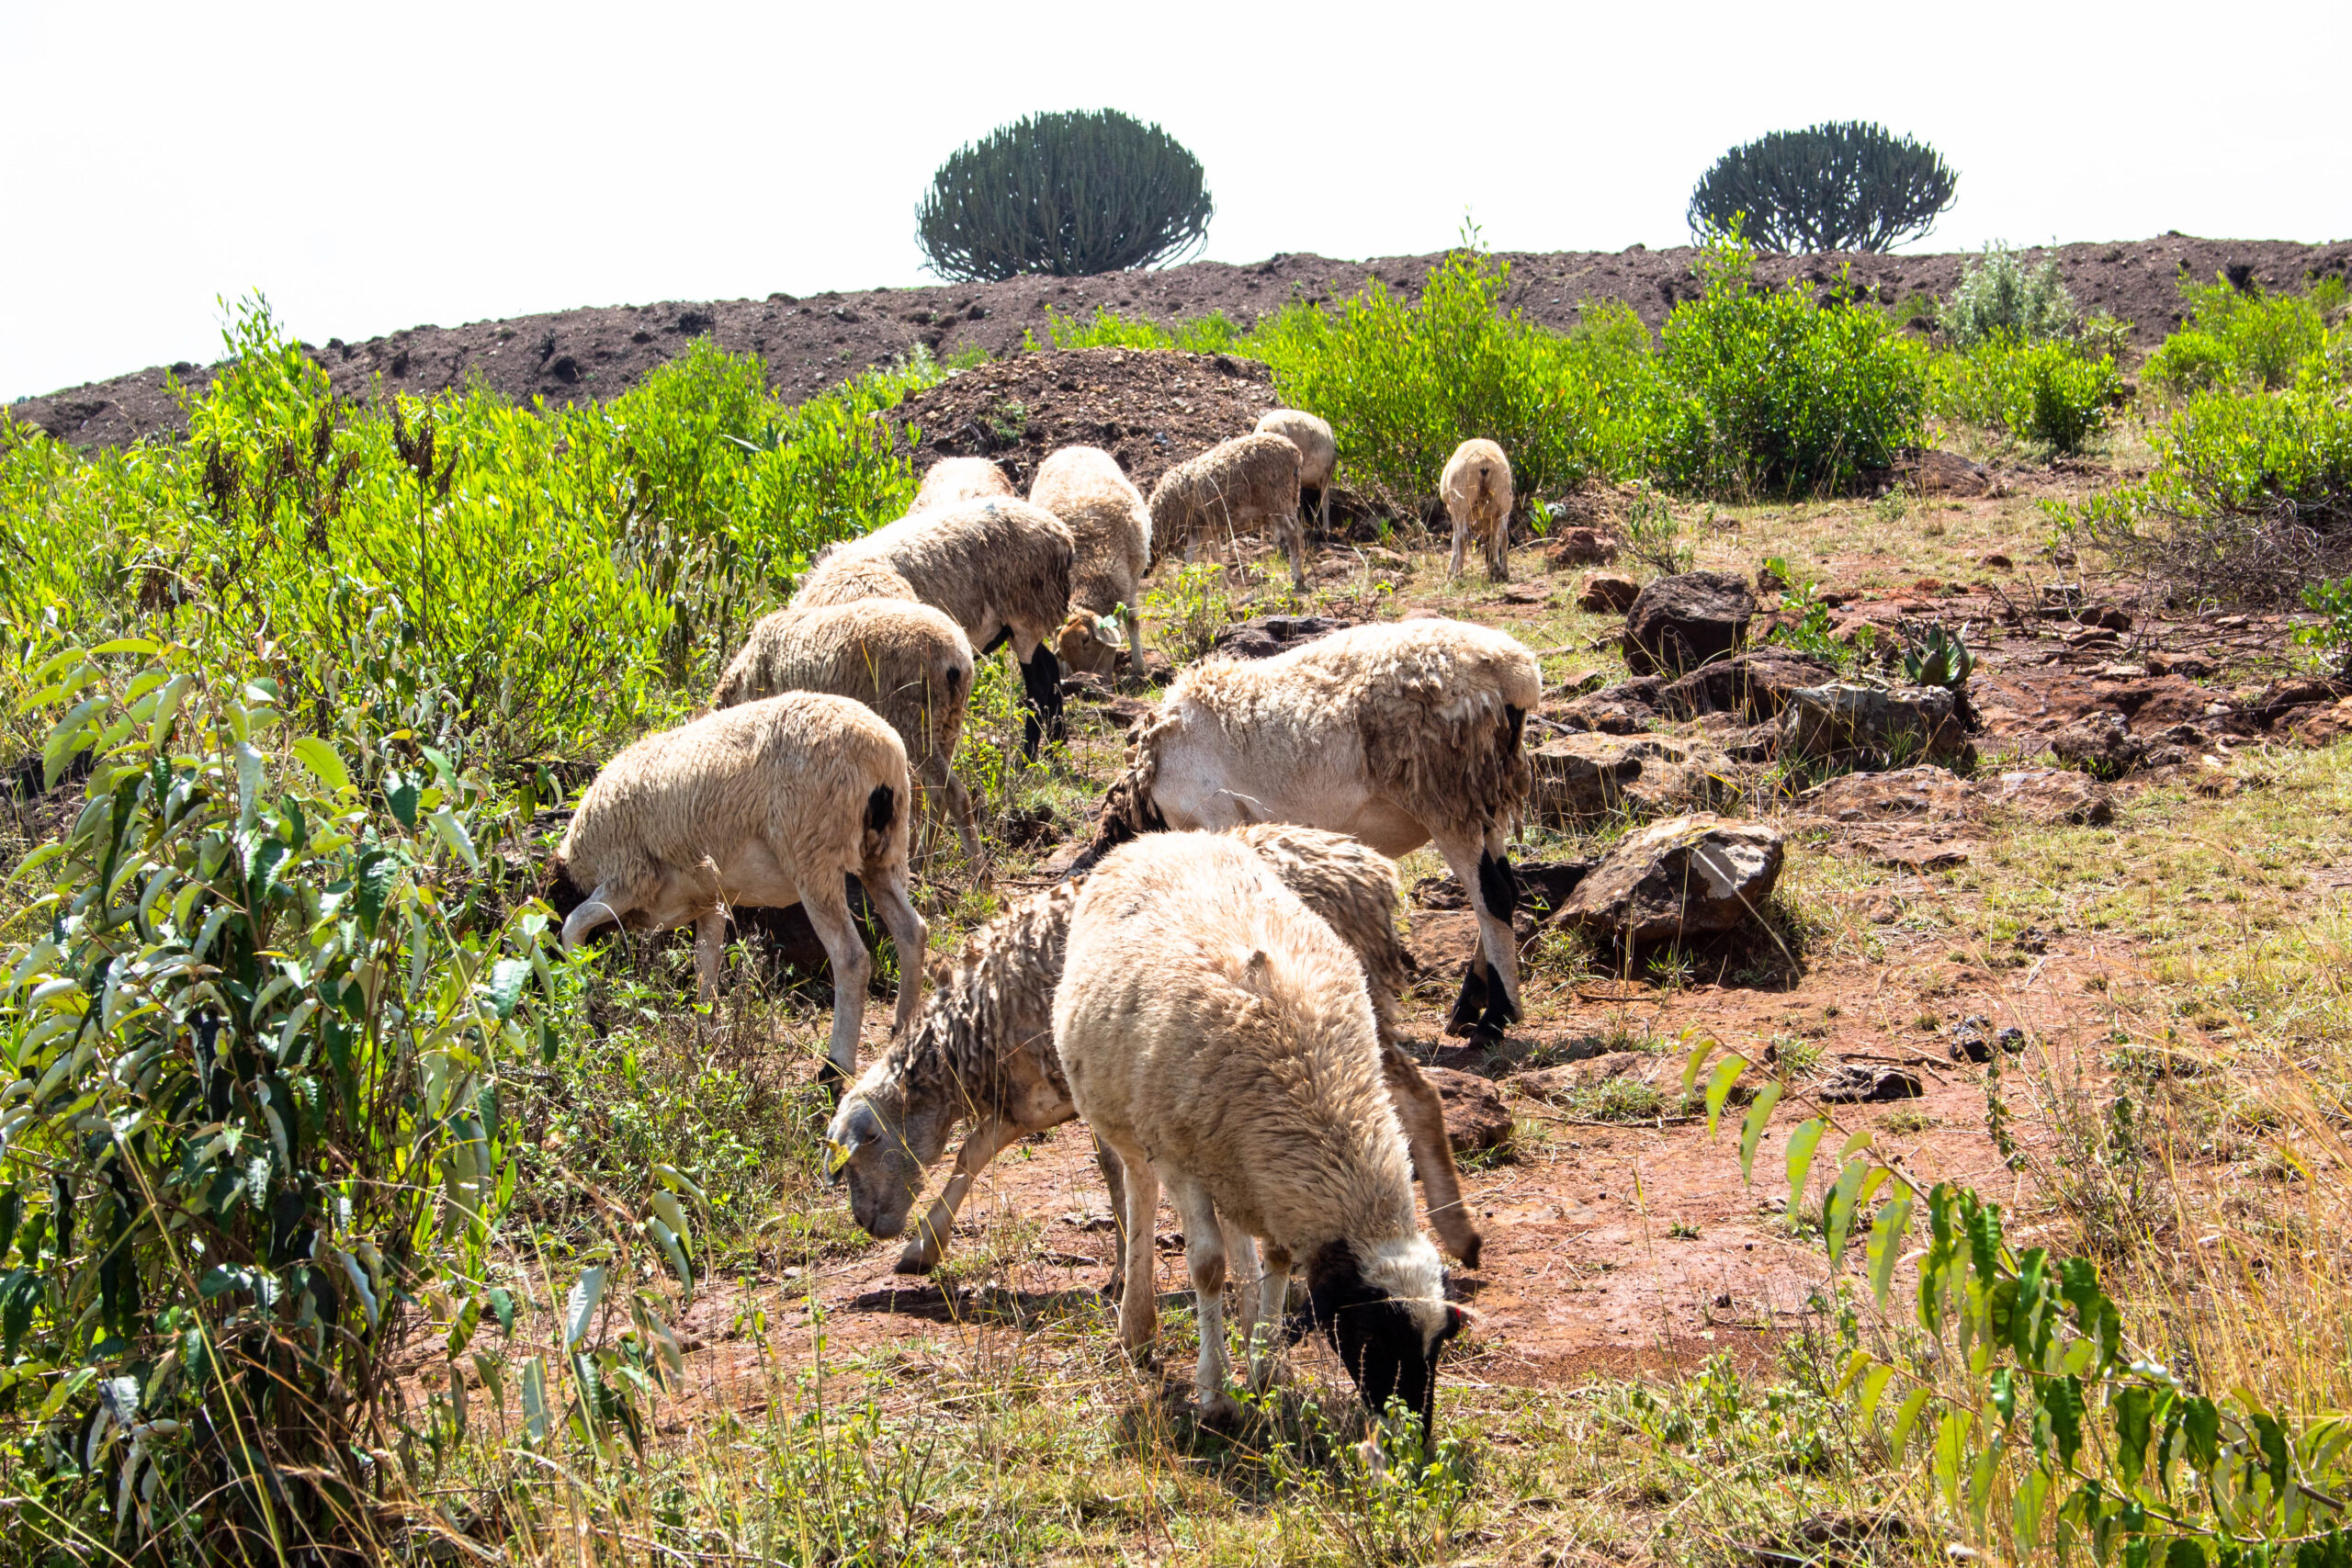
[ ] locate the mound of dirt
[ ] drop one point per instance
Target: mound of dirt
(810, 345)
(1150, 408)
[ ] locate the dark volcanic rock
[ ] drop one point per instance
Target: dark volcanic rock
(1679, 623)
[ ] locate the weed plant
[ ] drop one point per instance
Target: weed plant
(1999, 297)
(2245, 340)
(2045, 392)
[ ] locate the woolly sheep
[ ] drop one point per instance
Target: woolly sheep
(999, 569)
(907, 662)
(770, 803)
(1476, 490)
(1318, 453)
(954, 479)
(983, 1050)
(1218, 1037)
(1399, 733)
(1217, 494)
(1085, 487)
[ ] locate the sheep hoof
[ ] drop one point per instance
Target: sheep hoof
(915, 1260)
(1471, 1245)
(1470, 1005)
(1220, 1410)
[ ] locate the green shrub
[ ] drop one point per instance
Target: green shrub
(2046, 392)
(2332, 637)
(1066, 195)
(2241, 339)
(1403, 384)
(550, 580)
(2250, 500)
(1840, 186)
(1213, 333)
(1771, 391)
(1998, 297)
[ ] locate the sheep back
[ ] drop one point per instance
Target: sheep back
(1319, 449)
(1108, 521)
(798, 772)
(954, 479)
(1226, 487)
(984, 563)
(841, 579)
(1211, 1015)
(907, 662)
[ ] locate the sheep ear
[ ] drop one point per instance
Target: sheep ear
(1107, 631)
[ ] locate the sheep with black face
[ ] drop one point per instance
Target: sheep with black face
(1217, 1036)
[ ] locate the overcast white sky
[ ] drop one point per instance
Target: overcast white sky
(374, 168)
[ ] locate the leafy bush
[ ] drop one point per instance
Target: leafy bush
(1839, 185)
(2241, 339)
(2048, 392)
(1403, 384)
(1066, 195)
(2250, 500)
(547, 580)
(2332, 600)
(1998, 297)
(1213, 333)
(1772, 391)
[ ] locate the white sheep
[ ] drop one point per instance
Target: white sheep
(954, 479)
(1085, 487)
(771, 803)
(907, 662)
(1000, 569)
(1401, 734)
(1218, 1037)
(983, 1051)
(1318, 453)
(1476, 491)
(1233, 484)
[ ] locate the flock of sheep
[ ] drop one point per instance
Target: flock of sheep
(1214, 988)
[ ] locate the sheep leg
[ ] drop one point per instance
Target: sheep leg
(1471, 1004)
(885, 889)
(968, 826)
(1114, 1178)
(1293, 534)
(929, 1244)
(1461, 544)
(710, 952)
(1040, 682)
(1205, 1256)
(828, 909)
(1133, 621)
(1424, 1114)
(1273, 1293)
(1478, 863)
(1138, 1306)
(1323, 498)
(1498, 550)
(1242, 1268)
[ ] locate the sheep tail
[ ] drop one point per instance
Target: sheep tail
(881, 815)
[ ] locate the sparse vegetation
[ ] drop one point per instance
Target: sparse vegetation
(1999, 297)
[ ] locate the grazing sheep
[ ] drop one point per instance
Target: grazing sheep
(983, 1051)
(1218, 1037)
(954, 479)
(1398, 733)
(1217, 494)
(907, 662)
(1085, 487)
(1318, 453)
(1000, 569)
(770, 803)
(1476, 490)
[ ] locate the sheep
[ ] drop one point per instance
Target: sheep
(1227, 487)
(907, 662)
(954, 479)
(1218, 1039)
(771, 803)
(982, 1050)
(1085, 487)
(1476, 489)
(1398, 733)
(1318, 453)
(1000, 569)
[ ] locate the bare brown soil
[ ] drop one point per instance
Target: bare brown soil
(595, 352)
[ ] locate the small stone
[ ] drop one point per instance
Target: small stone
(1857, 1083)
(1475, 1117)
(1685, 876)
(1972, 1041)
(1609, 596)
(1679, 623)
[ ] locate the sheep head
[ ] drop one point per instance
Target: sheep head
(1387, 1315)
(1090, 643)
(878, 1149)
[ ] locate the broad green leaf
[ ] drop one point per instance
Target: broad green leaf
(401, 797)
(1842, 1198)
(1888, 1232)
(65, 740)
(2134, 1408)
(535, 1398)
(461, 1332)
(319, 757)
(580, 1309)
(507, 977)
(1751, 1130)
(502, 1306)
(492, 1373)
(1700, 1052)
(1874, 1389)
(2032, 1497)
(1802, 1142)
(453, 833)
(672, 1212)
(1906, 1416)
(360, 1283)
(1951, 1453)
(668, 1240)
(167, 706)
(1719, 1084)
(127, 645)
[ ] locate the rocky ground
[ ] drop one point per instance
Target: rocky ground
(812, 344)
